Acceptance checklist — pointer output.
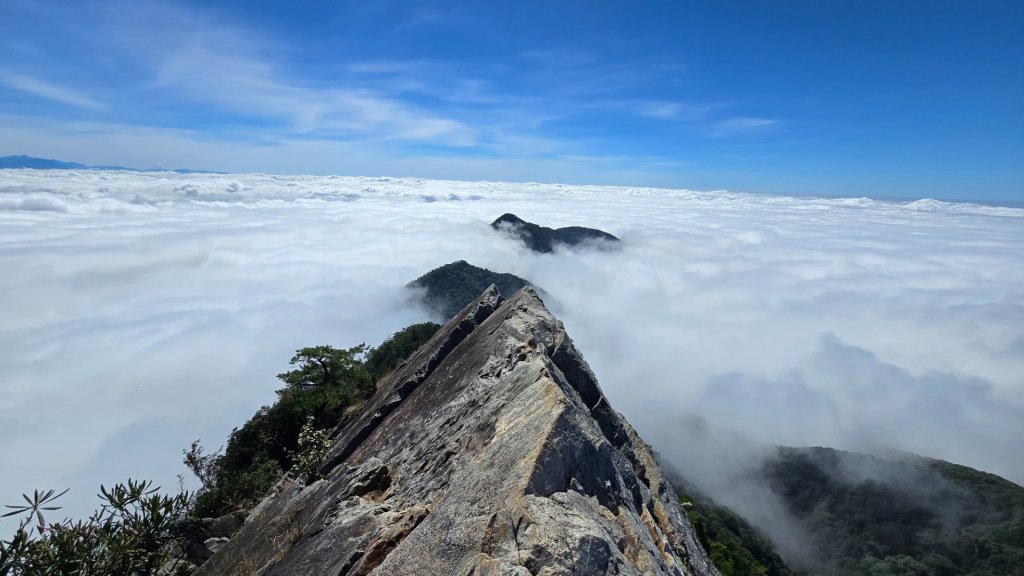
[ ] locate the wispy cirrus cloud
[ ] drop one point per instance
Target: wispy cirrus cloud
(420, 19)
(560, 57)
(223, 78)
(245, 74)
(44, 89)
(734, 126)
(509, 156)
(662, 109)
(671, 110)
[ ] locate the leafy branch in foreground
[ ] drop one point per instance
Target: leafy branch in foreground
(130, 533)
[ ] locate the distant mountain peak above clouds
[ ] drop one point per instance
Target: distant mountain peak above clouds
(34, 163)
(449, 288)
(22, 161)
(543, 240)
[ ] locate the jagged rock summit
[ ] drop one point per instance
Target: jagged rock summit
(543, 239)
(491, 451)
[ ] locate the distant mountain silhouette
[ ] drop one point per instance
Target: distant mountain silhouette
(39, 163)
(32, 162)
(543, 240)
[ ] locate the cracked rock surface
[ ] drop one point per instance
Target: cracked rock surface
(491, 451)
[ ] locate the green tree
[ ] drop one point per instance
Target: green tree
(322, 388)
(321, 366)
(202, 465)
(323, 385)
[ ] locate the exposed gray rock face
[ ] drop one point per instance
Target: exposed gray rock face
(492, 451)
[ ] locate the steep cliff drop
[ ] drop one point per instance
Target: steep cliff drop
(491, 451)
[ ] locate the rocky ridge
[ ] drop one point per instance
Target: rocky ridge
(491, 451)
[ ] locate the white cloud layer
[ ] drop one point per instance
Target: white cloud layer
(142, 311)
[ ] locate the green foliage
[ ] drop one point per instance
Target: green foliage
(313, 447)
(133, 531)
(236, 488)
(384, 358)
(202, 465)
(324, 384)
(130, 534)
(736, 549)
(901, 517)
(321, 366)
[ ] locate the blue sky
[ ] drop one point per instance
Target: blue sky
(880, 99)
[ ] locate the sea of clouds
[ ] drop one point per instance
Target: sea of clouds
(144, 310)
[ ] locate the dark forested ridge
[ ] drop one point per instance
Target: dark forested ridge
(735, 547)
(542, 239)
(901, 516)
(451, 287)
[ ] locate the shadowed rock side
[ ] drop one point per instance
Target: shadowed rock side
(491, 451)
(543, 240)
